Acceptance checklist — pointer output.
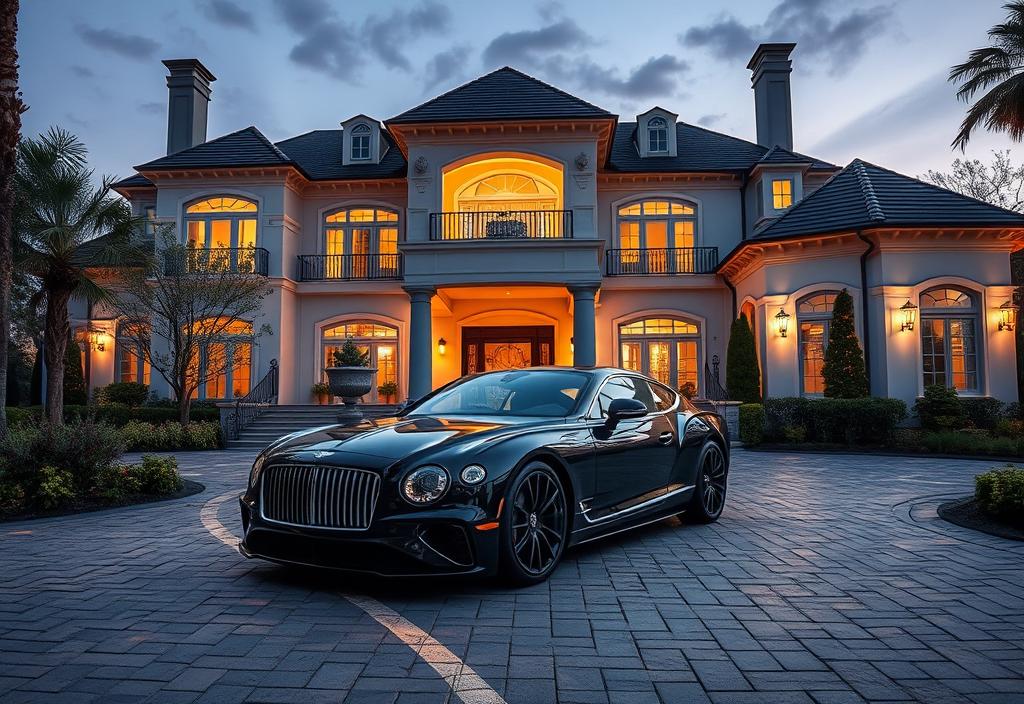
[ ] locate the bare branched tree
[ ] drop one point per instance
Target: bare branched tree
(999, 183)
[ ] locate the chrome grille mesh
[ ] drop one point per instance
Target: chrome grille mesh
(319, 497)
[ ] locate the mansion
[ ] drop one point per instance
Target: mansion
(507, 223)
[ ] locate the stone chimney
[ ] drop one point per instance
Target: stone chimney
(188, 88)
(769, 75)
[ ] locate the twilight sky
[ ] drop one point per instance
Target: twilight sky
(868, 76)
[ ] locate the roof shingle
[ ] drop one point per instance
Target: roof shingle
(318, 154)
(246, 147)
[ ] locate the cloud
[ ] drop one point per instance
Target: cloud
(446, 66)
(131, 46)
(836, 39)
(152, 108)
(711, 119)
(528, 47)
(229, 14)
(387, 35)
(658, 76)
(82, 71)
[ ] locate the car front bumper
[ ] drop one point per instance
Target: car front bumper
(441, 541)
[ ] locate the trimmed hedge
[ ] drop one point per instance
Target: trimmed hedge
(1000, 493)
(983, 412)
(845, 421)
(114, 415)
(752, 423)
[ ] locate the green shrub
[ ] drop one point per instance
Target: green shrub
(843, 370)
(794, 434)
(982, 412)
(12, 495)
(125, 393)
(1000, 493)
(948, 442)
(751, 423)
(117, 482)
(74, 381)
(140, 436)
(742, 372)
(939, 408)
(80, 447)
(158, 475)
(56, 488)
(201, 436)
(350, 356)
(781, 413)
(1009, 428)
(119, 415)
(21, 416)
(846, 421)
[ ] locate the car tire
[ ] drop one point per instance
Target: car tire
(534, 526)
(710, 487)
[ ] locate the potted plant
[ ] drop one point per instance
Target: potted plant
(388, 391)
(350, 377)
(322, 393)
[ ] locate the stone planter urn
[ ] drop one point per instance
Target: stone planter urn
(350, 383)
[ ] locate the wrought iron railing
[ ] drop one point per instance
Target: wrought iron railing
(502, 225)
(197, 260)
(661, 262)
(249, 407)
(349, 267)
(713, 389)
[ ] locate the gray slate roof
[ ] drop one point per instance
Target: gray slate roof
(864, 195)
(246, 147)
(505, 94)
(134, 181)
(781, 155)
(318, 155)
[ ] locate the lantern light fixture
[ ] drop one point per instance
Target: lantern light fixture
(782, 322)
(1007, 316)
(442, 345)
(908, 312)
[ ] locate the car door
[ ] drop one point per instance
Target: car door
(633, 460)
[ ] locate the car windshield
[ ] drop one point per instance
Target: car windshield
(547, 393)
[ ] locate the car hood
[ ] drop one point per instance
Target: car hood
(382, 441)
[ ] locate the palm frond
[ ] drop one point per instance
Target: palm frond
(999, 110)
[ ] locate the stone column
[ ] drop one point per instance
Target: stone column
(584, 331)
(421, 345)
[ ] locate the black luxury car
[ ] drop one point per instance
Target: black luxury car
(494, 473)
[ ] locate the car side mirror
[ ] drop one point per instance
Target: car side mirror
(623, 409)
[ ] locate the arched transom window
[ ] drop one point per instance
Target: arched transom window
(224, 228)
(657, 236)
(380, 341)
(949, 338)
(814, 318)
(657, 135)
(666, 349)
(361, 243)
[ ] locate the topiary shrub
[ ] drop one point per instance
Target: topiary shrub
(751, 423)
(982, 412)
(1000, 493)
(939, 408)
(843, 370)
(56, 488)
(75, 392)
(125, 393)
(742, 371)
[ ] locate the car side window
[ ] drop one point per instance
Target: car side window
(625, 387)
(664, 399)
(643, 393)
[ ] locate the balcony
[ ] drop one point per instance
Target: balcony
(502, 225)
(661, 262)
(219, 260)
(350, 267)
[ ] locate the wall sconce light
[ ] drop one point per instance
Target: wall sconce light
(97, 340)
(908, 311)
(782, 322)
(1007, 316)
(572, 344)
(441, 345)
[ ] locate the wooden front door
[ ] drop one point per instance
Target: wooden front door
(488, 348)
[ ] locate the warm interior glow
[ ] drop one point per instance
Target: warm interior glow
(223, 205)
(782, 193)
(502, 183)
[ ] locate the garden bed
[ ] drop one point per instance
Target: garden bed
(880, 451)
(90, 504)
(966, 513)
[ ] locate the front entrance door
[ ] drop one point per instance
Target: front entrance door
(488, 348)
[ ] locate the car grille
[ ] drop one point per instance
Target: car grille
(319, 497)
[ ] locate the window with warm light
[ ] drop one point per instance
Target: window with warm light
(666, 349)
(657, 136)
(361, 243)
(949, 346)
(782, 193)
(225, 362)
(657, 236)
(814, 319)
(131, 363)
(360, 147)
(224, 229)
(378, 340)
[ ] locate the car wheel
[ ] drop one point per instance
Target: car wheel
(709, 491)
(534, 530)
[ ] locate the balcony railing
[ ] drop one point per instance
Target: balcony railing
(502, 225)
(349, 267)
(661, 262)
(218, 260)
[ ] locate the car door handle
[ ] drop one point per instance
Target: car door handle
(665, 438)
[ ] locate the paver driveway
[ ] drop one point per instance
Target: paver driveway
(828, 579)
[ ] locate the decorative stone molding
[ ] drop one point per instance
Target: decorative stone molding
(421, 165)
(582, 161)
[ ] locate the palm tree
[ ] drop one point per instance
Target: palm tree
(57, 210)
(11, 108)
(999, 70)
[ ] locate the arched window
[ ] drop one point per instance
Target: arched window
(949, 341)
(657, 135)
(223, 228)
(132, 365)
(225, 364)
(666, 349)
(377, 339)
(814, 318)
(361, 243)
(360, 143)
(657, 237)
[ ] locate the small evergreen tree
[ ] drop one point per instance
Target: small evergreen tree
(74, 380)
(843, 371)
(742, 371)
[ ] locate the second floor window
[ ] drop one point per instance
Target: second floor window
(360, 243)
(657, 135)
(782, 193)
(360, 143)
(657, 236)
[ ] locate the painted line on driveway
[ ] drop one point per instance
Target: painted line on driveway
(463, 680)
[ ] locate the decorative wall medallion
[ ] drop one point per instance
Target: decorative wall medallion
(582, 161)
(420, 165)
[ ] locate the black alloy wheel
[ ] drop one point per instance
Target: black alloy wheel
(712, 480)
(537, 525)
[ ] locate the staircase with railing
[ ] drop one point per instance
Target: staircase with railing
(237, 414)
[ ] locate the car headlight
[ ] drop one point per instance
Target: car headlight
(425, 485)
(473, 474)
(257, 467)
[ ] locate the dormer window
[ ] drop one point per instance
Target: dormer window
(361, 143)
(657, 136)
(782, 193)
